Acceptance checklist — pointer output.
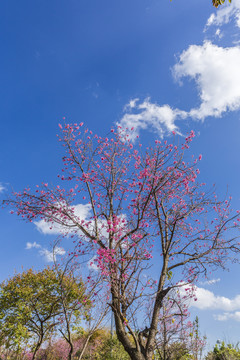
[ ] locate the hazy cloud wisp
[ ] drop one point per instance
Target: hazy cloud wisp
(48, 255)
(30, 245)
(1, 188)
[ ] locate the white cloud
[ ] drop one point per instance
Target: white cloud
(160, 118)
(225, 13)
(218, 33)
(47, 229)
(82, 212)
(211, 282)
(1, 188)
(131, 105)
(50, 256)
(208, 300)
(30, 245)
(217, 74)
(227, 316)
(92, 264)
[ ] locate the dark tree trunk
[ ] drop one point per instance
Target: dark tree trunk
(37, 348)
(70, 352)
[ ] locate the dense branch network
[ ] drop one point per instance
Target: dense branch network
(142, 220)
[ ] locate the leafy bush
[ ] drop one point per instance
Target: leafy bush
(224, 352)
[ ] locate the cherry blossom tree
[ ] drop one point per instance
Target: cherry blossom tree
(138, 217)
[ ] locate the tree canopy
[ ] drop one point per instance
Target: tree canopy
(33, 305)
(142, 209)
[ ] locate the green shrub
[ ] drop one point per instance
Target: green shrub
(224, 352)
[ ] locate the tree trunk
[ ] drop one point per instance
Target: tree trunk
(84, 347)
(36, 349)
(133, 352)
(70, 352)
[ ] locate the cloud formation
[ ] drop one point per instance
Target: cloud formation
(204, 299)
(146, 115)
(216, 73)
(211, 282)
(228, 316)
(50, 256)
(81, 211)
(225, 14)
(30, 245)
(1, 188)
(208, 300)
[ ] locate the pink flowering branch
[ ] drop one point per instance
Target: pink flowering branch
(144, 208)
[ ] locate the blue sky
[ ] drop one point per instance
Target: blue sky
(157, 65)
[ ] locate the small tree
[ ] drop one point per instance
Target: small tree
(75, 303)
(133, 200)
(31, 307)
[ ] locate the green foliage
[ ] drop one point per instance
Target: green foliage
(27, 301)
(101, 346)
(31, 306)
(224, 352)
(111, 349)
(175, 351)
(169, 275)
